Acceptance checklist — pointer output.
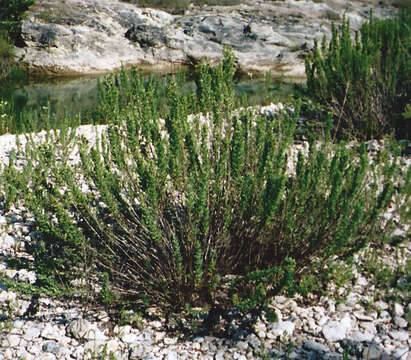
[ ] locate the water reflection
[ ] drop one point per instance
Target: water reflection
(61, 95)
(61, 98)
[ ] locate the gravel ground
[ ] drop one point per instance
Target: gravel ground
(310, 328)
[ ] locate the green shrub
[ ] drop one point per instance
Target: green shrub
(365, 82)
(6, 48)
(402, 4)
(6, 55)
(14, 120)
(5, 116)
(407, 113)
(198, 210)
(164, 4)
(217, 2)
(178, 5)
(11, 16)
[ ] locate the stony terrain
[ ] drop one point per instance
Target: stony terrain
(43, 328)
(92, 36)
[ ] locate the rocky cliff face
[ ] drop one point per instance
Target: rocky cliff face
(92, 36)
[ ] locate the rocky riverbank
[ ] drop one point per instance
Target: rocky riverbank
(352, 322)
(94, 36)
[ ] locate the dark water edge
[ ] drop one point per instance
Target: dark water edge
(36, 100)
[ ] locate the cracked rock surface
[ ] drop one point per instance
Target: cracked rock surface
(93, 36)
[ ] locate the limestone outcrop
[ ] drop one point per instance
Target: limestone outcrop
(94, 36)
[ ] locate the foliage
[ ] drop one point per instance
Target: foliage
(6, 55)
(5, 117)
(173, 209)
(11, 17)
(6, 48)
(15, 119)
(174, 5)
(100, 352)
(393, 281)
(407, 112)
(179, 5)
(105, 293)
(6, 318)
(402, 4)
(366, 81)
(129, 317)
(249, 293)
(51, 289)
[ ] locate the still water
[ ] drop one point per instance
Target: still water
(62, 98)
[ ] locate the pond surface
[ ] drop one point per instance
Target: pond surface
(57, 97)
(32, 100)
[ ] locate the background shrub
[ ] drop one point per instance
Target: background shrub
(11, 17)
(6, 55)
(179, 5)
(6, 48)
(5, 116)
(366, 81)
(201, 210)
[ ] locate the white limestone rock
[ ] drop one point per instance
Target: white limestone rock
(336, 330)
(398, 310)
(90, 36)
(79, 329)
(280, 328)
(400, 322)
(399, 335)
